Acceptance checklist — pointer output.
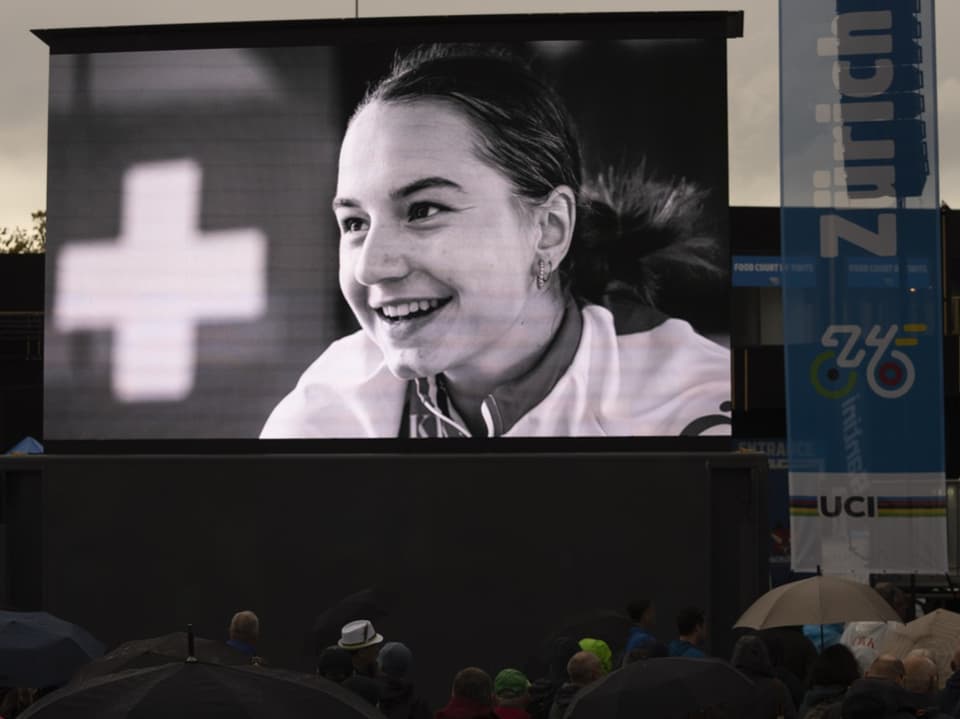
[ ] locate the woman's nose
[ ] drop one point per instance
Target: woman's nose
(381, 256)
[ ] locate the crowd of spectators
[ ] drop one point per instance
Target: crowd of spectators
(789, 677)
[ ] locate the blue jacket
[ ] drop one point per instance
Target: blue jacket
(682, 648)
(638, 637)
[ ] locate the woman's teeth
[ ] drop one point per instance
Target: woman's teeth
(406, 309)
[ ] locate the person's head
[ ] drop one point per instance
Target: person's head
(601, 649)
(473, 685)
(835, 666)
(692, 625)
(584, 668)
(457, 200)
(920, 674)
(511, 688)
(886, 667)
(750, 655)
(335, 664)
(245, 627)
(921, 652)
(394, 660)
(363, 642)
(643, 613)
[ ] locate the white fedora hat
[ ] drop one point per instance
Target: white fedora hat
(358, 635)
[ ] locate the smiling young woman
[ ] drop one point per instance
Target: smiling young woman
(494, 293)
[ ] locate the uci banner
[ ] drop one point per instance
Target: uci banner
(862, 332)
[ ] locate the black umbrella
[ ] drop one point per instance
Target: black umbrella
(40, 650)
(167, 649)
(370, 603)
(663, 688)
(199, 690)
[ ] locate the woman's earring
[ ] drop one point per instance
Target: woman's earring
(544, 269)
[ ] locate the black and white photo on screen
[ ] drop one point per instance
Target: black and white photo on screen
(524, 239)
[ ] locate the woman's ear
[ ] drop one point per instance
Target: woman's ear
(556, 216)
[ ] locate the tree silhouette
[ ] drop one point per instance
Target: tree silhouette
(21, 241)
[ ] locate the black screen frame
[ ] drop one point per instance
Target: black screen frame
(467, 28)
(446, 28)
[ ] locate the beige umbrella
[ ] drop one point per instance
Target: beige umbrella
(937, 632)
(817, 600)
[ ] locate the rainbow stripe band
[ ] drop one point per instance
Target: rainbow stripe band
(912, 502)
(803, 506)
(809, 506)
(911, 506)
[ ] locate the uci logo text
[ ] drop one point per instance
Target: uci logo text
(851, 506)
(890, 372)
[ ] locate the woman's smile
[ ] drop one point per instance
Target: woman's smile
(409, 309)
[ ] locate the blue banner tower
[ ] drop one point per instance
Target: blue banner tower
(863, 334)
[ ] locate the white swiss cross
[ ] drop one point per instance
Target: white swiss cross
(158, 280)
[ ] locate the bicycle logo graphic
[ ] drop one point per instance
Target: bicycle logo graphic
(889, 374)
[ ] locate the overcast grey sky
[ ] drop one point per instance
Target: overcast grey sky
(753, 71)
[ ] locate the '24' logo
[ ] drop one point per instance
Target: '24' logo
(889, 374)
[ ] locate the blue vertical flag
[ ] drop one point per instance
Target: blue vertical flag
(862, 341)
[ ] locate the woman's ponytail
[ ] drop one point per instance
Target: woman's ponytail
(632, 230)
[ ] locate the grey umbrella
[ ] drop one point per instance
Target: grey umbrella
(817, 600)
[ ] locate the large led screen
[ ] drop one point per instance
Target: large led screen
(416, 232)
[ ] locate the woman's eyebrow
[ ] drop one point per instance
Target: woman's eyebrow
(344, 202)
(412, 188)
(425, 183)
